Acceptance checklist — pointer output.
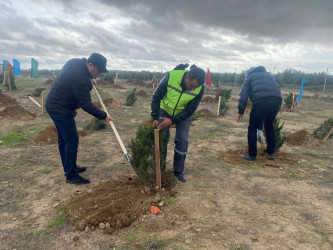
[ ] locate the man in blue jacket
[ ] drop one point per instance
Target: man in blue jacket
(71, 91)
(265, 94)
(175, 99)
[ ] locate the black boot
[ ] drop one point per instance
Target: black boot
(77, 180)
(81, 169)
(180, 176)
(249, 158)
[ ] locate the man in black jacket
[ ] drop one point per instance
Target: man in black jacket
(71, 91)
(175, 99)
(265, 94)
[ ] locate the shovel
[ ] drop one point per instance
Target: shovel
(115, 131)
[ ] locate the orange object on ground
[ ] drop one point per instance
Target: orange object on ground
(155, 210)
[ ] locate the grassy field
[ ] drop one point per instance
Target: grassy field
(221, 206)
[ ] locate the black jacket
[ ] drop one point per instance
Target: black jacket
(71, 91)
(161, 91)
(259, 85)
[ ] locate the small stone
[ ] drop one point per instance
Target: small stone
(153, 245)
(142, 191)
(101, 225)
(157, 198)
(157, 187)
(81, 225)
(163, 189)
(147, 189)
(89, 191)
(198, 230)
(1, 142)
(87, 229)
(161, 204)
(56, 205)
(92, 228)
(96, 206)
(107, 225)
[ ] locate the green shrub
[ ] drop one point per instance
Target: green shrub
(131, 98)
(279, 139)
(289, 100)
(324, 128)
(143, 152)
(95, 125)
(226, 93)
(37, 92)
(223, 106)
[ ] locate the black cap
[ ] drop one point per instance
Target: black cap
(99, 62)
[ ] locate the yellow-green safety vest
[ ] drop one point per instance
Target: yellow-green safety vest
(176, 99)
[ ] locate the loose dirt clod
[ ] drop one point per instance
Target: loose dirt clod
(16, 112)
(49, 135)
(205, 112)
(142, 93)
(112, 205)
(6, 100)
(209, 99)
(108, 102)
(302, 137)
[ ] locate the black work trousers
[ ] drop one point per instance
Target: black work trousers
(266, 110)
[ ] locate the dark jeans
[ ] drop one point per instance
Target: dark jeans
(181, 142)
(68, 141)
(266, 111)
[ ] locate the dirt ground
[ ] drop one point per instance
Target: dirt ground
(227, 203)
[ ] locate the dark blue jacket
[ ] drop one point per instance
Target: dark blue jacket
(259, 85)
(71, 91)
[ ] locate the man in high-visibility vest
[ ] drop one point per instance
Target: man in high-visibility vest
(175, 99)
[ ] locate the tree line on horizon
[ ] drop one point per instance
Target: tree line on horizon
(288, 77)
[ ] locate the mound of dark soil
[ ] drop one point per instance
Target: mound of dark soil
(205, 113)
(234, 157)
(285, 109)
(302, 137)
(16, 112)
(130, 80)
(6, 100)
(117, 86)
(116, 203)
(139, 83)
(108, 102)
(142, 93)
(103, 82)
(49, 81)
(209, 99)
(150, 85)
(49, 135)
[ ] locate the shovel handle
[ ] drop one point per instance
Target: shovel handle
(111, 123)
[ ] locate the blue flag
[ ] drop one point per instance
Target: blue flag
(301, 91)
(17, 69)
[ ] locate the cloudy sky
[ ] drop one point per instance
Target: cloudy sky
(223, 35)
